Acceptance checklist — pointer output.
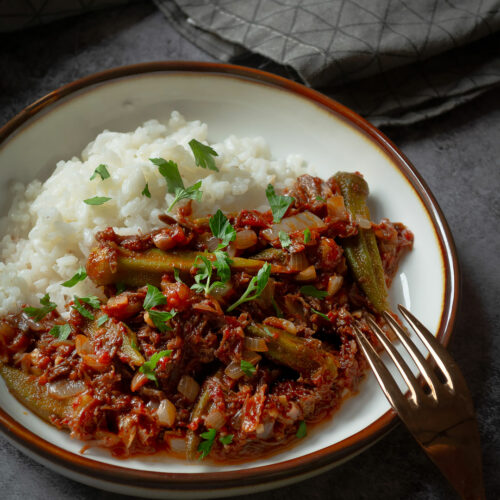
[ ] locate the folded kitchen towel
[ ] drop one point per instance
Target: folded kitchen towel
(393, 61)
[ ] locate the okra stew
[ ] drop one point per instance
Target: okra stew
(219, 338)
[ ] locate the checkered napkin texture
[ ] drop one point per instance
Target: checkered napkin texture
(393, 61)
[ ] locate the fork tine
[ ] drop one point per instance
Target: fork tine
(412, 383)
(428, 374)
(437, 351)
(384, 377)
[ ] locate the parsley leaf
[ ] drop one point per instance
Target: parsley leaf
(92, 301)
(222, 264)
(221, 228)
(149, 366)
(96, 200)
(102, 320)
(60, 332)
(227, 439)
(192, 192)
(247, 368)
(153, 298)
(302, 430)
(160, 318)
(319, 313)
(279, 204)
(204, 273)
(80, 275)
(312, 291)
(78, 307)
(102, 171)
(170, 171)
(307, 235)
(203, 155)
(206, 445)
(38, 313)
(257, 285)
(145, 191)
(320, 198)
(177, 276)
(284, 239)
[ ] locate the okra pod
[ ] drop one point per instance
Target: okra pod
(361, 250)
(110, 264)
(192, 437)
(304, 356)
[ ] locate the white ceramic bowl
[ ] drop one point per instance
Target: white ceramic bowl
(292, 118)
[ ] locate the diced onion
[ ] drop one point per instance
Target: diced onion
(299, 222)
(294, 412)
(281, 323)
(188, 387)
(255, 344)
(251, 357)
(166, 413)
(63, 389)
(82, 345)
(215, 420)
(212, 243)
(363, 223)
(334, 284)
(245, 239)
(308, 274)
(265, 430)
(233, 370)
(336, 208)
(298, 261)
(177, 445)
(219, 292)
(138, 381)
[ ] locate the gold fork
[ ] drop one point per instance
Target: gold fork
(440, 414)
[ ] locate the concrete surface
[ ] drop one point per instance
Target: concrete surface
(457, 154)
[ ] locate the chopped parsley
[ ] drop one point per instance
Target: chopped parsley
(149, 366)
(284, 239)
(256, 286)
(307, 235)
(204, 275)
(153, 298)
(312, 291)
(80, 275)
(102, 320)
(247, 368)
(227, 439)
(38, 313)
(192, 193)
(176, 275)
(203, 155)
(320, 198)
(319, 313)
(96, 200)
(160, 318)
(222, 264)
(102, 171)
(60, 332)
(279, 204)
(302, 430)
(206, 445)
(92, 301)
(170, 171)
(221, 228)
(145, 191)
(79, 307)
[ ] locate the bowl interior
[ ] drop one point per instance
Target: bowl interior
(291, 124)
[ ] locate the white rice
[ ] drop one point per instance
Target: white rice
(49, 231)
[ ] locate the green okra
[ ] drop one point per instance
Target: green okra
(361, 250)
(200, 409)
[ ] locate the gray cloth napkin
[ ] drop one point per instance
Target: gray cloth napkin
(393, 61)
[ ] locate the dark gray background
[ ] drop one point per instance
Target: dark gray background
(457, 154)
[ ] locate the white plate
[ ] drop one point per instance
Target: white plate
(292, 119)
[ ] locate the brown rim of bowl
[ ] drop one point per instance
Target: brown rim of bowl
(270, 473)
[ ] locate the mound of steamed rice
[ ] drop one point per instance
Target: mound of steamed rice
(49, 230)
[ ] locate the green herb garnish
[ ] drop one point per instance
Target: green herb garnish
(256, 285)
(302, 430)
(221, 228)
(170, 171)
(312, 291)
(78, 307)
(320, 198)
(192, 192)
(307, 235)
(96, 200)
(153, 298)
(177, 276)
(145, 191)
(319, 313)
(102, 171)
(206, 445)
(60, 332)
(203, 155)
(204, 275)
(223, 265)
(92, 301)
(279, 204)
(227, 439)
(80, 275)
(160, 318)
(247, 368)
(38, 313)
(102, 320)
(149, 366)
(284, 239)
